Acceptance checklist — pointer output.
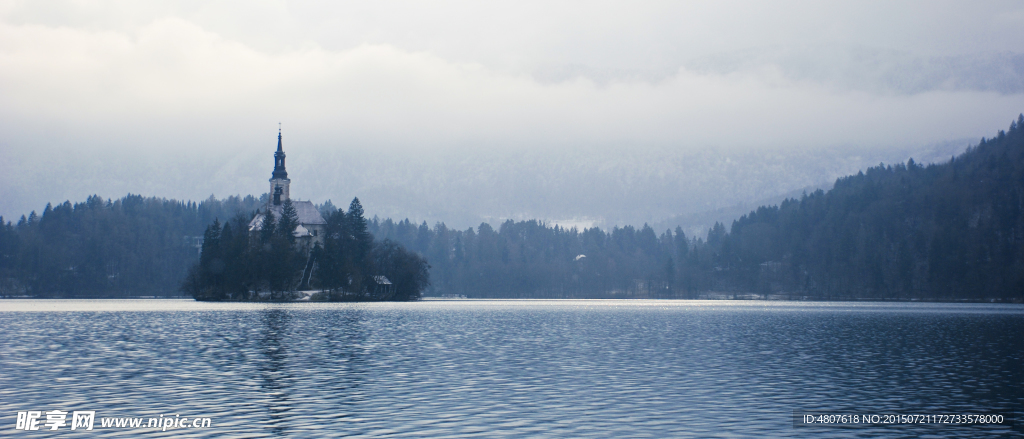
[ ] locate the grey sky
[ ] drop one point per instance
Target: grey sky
(166, 85)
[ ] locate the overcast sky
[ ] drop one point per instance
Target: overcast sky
(85, 84)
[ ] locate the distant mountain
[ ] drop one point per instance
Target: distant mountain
(818, 169)
(591, 187)
(953, 230)
(583, 186)
(947, 231)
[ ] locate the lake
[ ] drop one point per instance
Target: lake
(486, 368)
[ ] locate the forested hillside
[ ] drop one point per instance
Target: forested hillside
(133, 246)
(944, 231)
(947, 231)
(954, 230)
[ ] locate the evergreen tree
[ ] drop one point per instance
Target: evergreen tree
(360, 243)
(361, 237)
(288, 222)
(211, 263)
(333, 273)
(408, 272)
(682, 244)
(268, 227)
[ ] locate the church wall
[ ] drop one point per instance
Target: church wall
(318, 231)
(285, 186)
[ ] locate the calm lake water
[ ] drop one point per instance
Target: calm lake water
(552, 368)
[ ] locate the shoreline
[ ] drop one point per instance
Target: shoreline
(712, 298)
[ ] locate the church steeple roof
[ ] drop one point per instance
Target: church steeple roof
(279, 171)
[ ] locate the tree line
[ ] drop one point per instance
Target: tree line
(133, 246)
(943, 231)
(270, 265)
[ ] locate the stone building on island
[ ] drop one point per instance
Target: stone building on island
(311, 224)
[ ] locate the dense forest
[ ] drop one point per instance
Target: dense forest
(272, 265)
(133, 246)
(943, 231)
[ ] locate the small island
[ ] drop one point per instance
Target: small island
(289, 251)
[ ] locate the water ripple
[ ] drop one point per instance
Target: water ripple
(509, 368)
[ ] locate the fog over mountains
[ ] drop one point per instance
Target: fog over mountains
(464, 187)
(576, 113)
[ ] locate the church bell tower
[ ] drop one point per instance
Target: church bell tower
(279, 181)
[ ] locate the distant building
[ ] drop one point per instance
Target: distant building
(311, 224)
(382, 287)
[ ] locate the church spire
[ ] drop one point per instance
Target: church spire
(279, 181)
(279, 171)
(279, 138)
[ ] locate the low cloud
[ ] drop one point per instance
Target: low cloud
(182, 82)
(184, 103)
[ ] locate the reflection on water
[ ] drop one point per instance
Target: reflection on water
(516, 368)
(273, 369)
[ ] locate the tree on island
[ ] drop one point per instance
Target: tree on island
(407, 271)
(234, 266)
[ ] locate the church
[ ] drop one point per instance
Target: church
(311, 224)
